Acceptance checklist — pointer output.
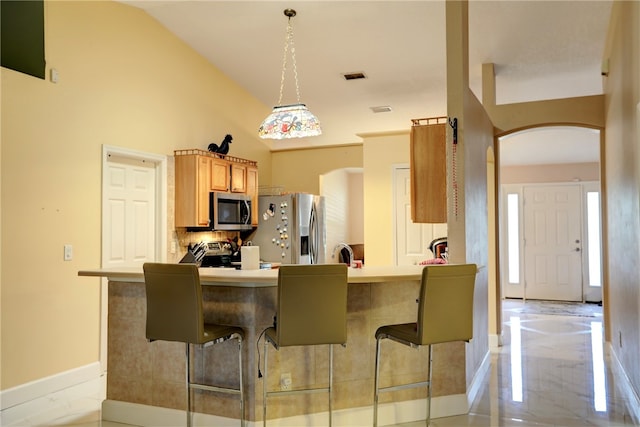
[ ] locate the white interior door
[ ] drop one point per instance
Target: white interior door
(129, 211)
(553, 242)
(412, 240)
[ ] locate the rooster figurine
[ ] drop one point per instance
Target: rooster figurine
(224, 146)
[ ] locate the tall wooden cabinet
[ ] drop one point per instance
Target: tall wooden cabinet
(429, 171)
(252, 188)
(193, 181)
(199, 172)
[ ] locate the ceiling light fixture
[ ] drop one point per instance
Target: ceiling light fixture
(381, 109)
(354, 76)
(295, 120)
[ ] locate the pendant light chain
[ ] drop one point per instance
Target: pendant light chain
(289, 46)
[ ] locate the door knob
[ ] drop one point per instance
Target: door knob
(577, 249)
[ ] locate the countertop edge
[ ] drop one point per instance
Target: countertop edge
(262, 278)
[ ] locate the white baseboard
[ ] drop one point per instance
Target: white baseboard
(388, 414)
(477, 383)
(495, 342)
(624, 385)
(155, 416)
(57, 397)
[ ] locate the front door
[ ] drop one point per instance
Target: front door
(553, 242)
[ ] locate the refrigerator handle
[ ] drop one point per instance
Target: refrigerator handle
(313, 236)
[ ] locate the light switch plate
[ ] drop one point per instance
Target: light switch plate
(68, 252)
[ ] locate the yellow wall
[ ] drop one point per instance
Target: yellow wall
(472, 220)
(622, 161)
(124, 81)
(468, 220)
(381, 153)
(565, 172)
(299, 170)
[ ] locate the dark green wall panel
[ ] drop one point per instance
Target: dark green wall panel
(22, 36)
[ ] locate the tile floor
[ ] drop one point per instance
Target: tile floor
(551, 371)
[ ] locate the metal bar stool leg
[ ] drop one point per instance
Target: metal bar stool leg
(188, 379)
(264, 386)
(330, 383)
(242, 418)
(376, 384)
(430, 385)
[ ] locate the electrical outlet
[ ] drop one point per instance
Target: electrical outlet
(285, 381)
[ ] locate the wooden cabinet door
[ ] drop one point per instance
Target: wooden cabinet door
(252, 190)
(202, 201)
(429, 173)
(192, 191)
(219, 175)
(238, 178)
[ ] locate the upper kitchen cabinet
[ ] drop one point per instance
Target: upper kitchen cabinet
(198, 173)
(193, 181)
(429, 170)
(238, 178)
(220, 175)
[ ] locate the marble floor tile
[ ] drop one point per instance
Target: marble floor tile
(551, 371)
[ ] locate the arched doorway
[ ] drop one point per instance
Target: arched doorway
(550, 215)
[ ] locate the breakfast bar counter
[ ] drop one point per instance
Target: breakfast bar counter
(262, 278)
(145, 380)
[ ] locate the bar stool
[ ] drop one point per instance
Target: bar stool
(312, 310)
(445, 314)
(174, 313)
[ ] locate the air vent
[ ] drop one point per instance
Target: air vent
(381, 109)
(354, 76)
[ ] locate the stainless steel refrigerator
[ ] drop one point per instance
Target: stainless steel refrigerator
(291, 229)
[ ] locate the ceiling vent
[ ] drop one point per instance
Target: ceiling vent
(381, 109)
(354, 76)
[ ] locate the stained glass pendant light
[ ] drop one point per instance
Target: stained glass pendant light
(295, 120)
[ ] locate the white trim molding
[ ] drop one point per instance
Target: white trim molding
(478, 382)
(495, 342)
(623, 384)
(388, 414)
(46, 399)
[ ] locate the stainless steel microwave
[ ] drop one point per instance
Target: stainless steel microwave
(229, 211)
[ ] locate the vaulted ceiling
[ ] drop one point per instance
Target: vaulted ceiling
(541, 50)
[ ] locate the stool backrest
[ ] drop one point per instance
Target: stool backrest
(445, 310)
(312, 304)
(174, 302)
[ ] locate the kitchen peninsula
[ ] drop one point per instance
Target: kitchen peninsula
(152, 374)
